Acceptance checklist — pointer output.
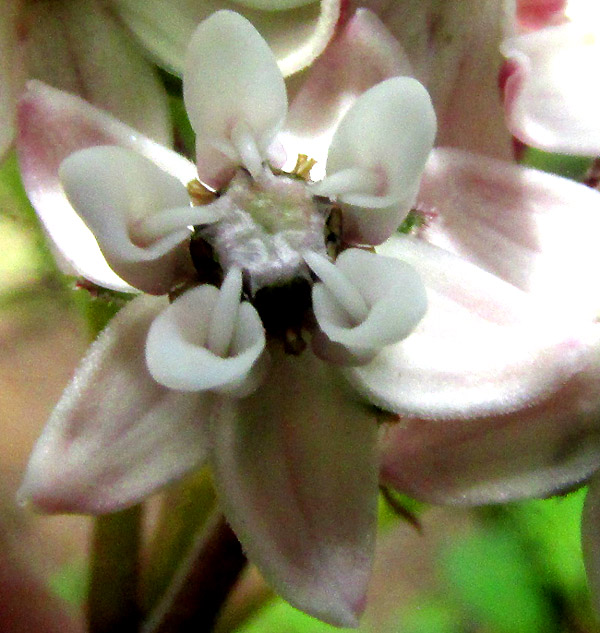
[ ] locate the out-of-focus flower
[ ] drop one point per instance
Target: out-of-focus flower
(297, 30)
(292, 445)
(551, 95)
(83, 47)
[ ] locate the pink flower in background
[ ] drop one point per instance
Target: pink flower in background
(509, 340)
(551, 95)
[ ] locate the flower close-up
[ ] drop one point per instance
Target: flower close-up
(289, 324)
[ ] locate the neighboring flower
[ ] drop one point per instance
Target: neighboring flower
(78, 46)
(551, 94)
(297, 30)
(210, 376)
(81, 47)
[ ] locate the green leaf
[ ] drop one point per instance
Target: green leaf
(573, 167)
(70, 583)
(491, 576)
(553, 528)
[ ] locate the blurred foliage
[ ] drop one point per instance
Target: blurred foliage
(573, 167)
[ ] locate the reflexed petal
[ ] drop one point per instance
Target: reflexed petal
(551, 98)
(181, 344)
(115, 435)
(115, 190)
(296, 36)
(535, 230)
(377, 155)
(590, 538)
(483, 347)
(539, 450)
(295, 469)
(390, 296)
(232, 83)
(79, 47)
(362, 54)
(53, 125)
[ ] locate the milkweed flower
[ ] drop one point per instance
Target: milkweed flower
(550, 94)
(287, 321)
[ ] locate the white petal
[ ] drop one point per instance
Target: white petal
(198, 343)
(295, 470)
(273, 5)
(115, 435)
(483, 346)
(114, 190)
(392, 296)
(53, 125)
(551, 101)
(381, 144)
(232, 80)
(296, 36)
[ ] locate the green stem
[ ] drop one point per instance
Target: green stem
(202, 583)
(113, 600)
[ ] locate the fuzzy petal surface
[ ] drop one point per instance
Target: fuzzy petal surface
(54, 124)
(295, 470)
(484, 347)
(550, 97)
(81, 48)
(535, 230)
(541, 449)
(362, 54)
(116, 435)
(296, 35)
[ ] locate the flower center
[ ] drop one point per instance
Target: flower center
(267, 225)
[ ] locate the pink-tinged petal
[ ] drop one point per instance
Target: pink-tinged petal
(295, 471)
(53, 125)
(590, 538)
(234, 92)
(11, 72)
(362, 54)
(551, 98)
(116, 435)
(483, 347)
(296, 36)
(117, 193)
(206, 340)
(541, 449)
(453, 48)
(535, 230)
(535, 14)
(377, 156)
(79, 47)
